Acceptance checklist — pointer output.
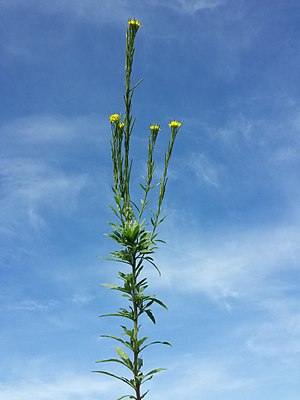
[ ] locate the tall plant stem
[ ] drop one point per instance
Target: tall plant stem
(131, 232)
(130, 36)
(135, 332)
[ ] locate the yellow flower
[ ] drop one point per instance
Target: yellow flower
(175, 124)
(114, 118)
(134, 22)
(121, 125)
(155, 128)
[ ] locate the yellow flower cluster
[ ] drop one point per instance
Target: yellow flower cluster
(114, 118)
(134, 22)
(121, 125)
(175, 124)
(155, 128)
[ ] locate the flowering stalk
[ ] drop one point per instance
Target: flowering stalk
(133, 234)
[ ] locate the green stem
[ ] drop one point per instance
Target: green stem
(135, 333)
(130, 36)
(164, 179)
(150, 171)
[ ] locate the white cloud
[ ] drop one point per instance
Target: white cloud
(193, 6)
(190, 377)
(278, 335)
(103, 10)
(233, 265)
(65, 387)
(39, 129)
(206, 171)
(194, 378)
(32, 175)
(252, 269)
(81, 299)
(30, 185)
(33, 305)
(240, 131)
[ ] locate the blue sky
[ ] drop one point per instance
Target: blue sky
(229, 70)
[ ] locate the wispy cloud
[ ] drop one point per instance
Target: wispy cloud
(81, 299)
(90, 9)
(240, 132)
(33, 179)
(33, 305)
(256, 269)
(64, 387)
(28, 186)
(278, 335)
(206, 171)
(241, 265)
(47, 129)
(190, 377)
(104, 11)
(193, 6)
(205, 378)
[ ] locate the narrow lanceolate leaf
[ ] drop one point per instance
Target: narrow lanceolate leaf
(127, 344)
(122, 353)
(155, 371)
(127, 395)
(144, 379)
(111, 285)
(110, 360)
(116, 360)
(126, 362)
(144, 394)
(155, 342)
(140, 363)
(123, 313)
(128, 332)
(159, 302)
(141, 341)
(121, 378)
(146, 251)
(150, 260)
(150, 315)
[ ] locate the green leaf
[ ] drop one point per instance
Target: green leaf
(145, 380)
(122, 353)
(144, 394)
(123, 397)
(126, 364)
(161, 220)
(160, 241)
(141, 341)
(115, 259)
(139, 363)
(121, 378)
(159, 302)
(111, 285)
(155, 371)
(123, 313)
(136, 207)
(136, 85)
(117, 214)
(127, 344)
(155, 342)
(150, 315)
(127, 395)
(150, 260)
(128, 332)
(146, 251)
